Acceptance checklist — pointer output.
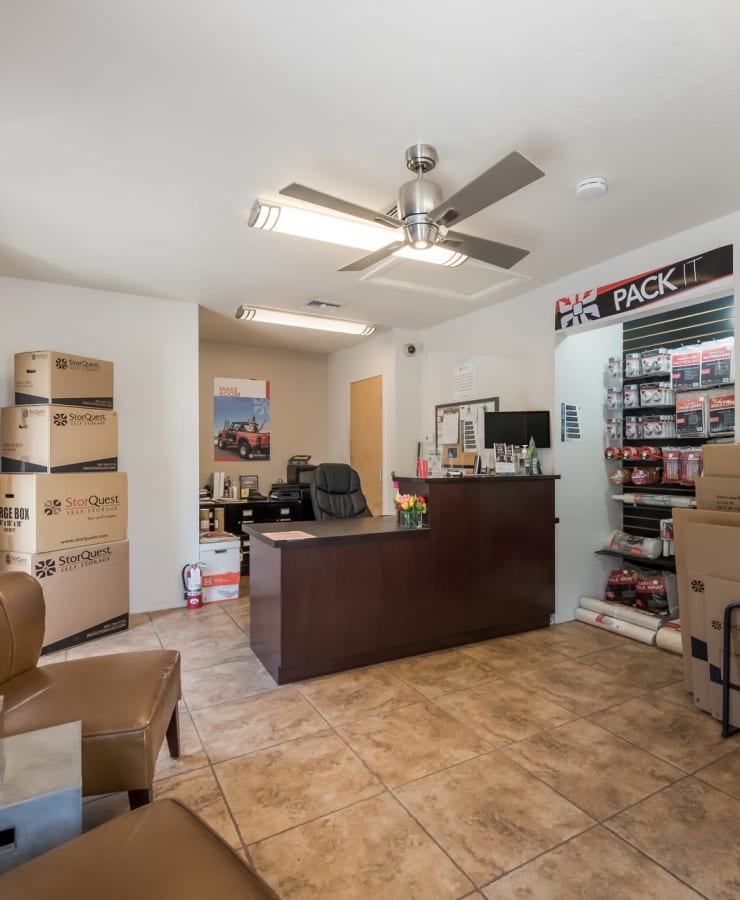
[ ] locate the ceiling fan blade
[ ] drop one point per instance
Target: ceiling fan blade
(502, 255)
(372, 258)
(509, 174)
(309, 195)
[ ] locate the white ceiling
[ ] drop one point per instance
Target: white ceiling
(135, 135)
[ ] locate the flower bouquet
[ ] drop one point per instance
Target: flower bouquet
(411, 509)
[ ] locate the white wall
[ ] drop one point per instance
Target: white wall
(153, 345)
(381, 355)
(513, 347)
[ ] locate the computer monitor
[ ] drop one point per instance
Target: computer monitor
(516, 427)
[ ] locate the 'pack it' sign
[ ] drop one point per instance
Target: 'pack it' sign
(634, 293)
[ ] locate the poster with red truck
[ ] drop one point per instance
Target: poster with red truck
(241, 419)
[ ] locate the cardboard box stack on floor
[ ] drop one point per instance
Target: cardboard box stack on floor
(707, 542)
(63, 503)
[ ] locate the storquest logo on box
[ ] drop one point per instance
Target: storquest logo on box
(45, 568)
(60, 420)
(61, 362)
(52, 507)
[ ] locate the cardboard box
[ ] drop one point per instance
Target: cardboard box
(221, 570)
(718, 492)
(722, 460)
(48, 376)
(86, 590)
(39, 513)
(711, 552)
(58, 439)
(681, 520)
(718, 594)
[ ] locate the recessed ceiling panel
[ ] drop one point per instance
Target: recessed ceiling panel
(471, 281)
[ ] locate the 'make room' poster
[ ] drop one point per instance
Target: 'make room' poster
(241, 419)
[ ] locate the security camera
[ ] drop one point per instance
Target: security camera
(411, 349)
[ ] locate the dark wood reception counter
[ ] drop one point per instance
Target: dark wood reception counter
(360, 591)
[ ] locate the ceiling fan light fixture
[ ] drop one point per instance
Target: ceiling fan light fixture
(334, 230)
(298, 320)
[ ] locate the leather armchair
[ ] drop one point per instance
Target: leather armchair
(127, 702)
(162, 851)
(336, 492)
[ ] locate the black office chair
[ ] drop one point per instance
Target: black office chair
(336, 492)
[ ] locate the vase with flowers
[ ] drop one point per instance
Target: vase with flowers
(410, 510)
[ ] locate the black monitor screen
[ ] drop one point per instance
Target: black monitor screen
(517, 428)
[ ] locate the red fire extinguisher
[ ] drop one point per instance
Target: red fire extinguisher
(192, 581)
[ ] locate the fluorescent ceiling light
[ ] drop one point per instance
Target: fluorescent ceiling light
(298, 320)
(345, 232)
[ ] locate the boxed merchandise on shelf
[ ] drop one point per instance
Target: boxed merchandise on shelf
(49, 376)
(44, 438)
(40, 512)
(86, 590)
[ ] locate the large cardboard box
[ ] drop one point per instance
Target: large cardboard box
(718, 492)
(50, 512)
(86, 590)
(722, 460)
(221, 570)
(718, 594)
(682, 518)
(48, 376)
(58, 439)
(711, 552)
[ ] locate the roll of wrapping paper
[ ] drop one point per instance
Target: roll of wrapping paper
(656, 500)
(669, 639)
(634, 546)
(626, 629)
(622, 612)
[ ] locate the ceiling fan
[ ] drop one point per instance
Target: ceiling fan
(423, 217)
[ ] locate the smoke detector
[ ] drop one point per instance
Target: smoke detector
(591, 188)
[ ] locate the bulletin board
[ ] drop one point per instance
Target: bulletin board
(459, 430)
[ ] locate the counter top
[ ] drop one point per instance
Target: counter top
(332, 530)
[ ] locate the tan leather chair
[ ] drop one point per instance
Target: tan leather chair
(127, 702)
(163, 851)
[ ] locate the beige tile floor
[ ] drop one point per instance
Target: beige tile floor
(565, 763)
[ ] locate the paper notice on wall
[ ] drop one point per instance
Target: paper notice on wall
(464, 381)
(570, 422)
(450, 428)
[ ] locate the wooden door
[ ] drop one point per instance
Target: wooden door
(366, 438)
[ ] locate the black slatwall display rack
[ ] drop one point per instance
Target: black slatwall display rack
(673, 329)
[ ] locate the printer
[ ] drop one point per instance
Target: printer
(300, 471)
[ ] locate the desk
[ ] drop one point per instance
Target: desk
(41, 793)
(361, 591)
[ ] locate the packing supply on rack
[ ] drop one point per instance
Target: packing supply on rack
(691, 464)
(614, 398)
(656, 593)
(623, 612)
(631, 396)
(655, 500)
(633, 428)
(633, 545)
(686, 367)
(614, 369)
(614, 429)
(666, 535)
(613, 453)
(620, 476)
(657, 426)
(718, 362)
(632, 365)
(691, 414)
(645, 476)
(657, 393)
(620, 586)
(656, 362)
(721, 411)
(626, 629)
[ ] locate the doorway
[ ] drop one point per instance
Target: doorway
(366, 438)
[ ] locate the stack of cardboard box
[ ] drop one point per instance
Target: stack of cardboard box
(707, 543)
(63, 503)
